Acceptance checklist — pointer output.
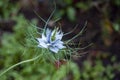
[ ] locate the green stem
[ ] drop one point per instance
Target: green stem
(29, 60)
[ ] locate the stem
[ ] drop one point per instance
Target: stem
(77, 34)
(29, 60)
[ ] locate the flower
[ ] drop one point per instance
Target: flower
(51, 40)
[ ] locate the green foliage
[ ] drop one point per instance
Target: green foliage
(83, 6)
(71, 13)
(97, 70)
(116, 27)
(68, 1)
(116, 2)
(69, 8)
(8, 9)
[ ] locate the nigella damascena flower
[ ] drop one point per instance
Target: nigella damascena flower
(51, 39)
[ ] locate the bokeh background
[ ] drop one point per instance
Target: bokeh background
(101, 60)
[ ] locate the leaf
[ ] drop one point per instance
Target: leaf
(68, 1)
(82, 5)
(71, 13)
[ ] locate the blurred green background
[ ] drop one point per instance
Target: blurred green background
(102, 59)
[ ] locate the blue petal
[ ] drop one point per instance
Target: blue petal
(59, 35)
(59, 44)
(39, 39)
(54, 49)
(48, 31)
(43, 37)
(56, 42)
(48, 35)
(42, 43)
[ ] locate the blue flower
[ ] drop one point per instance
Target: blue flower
(51, 40)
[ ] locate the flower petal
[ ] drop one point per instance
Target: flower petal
(59, 44)
(54, 49)
(39, 39)
(48, 31)
(43, 37)
(56, 42)
(59, 35)
(42, 43)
